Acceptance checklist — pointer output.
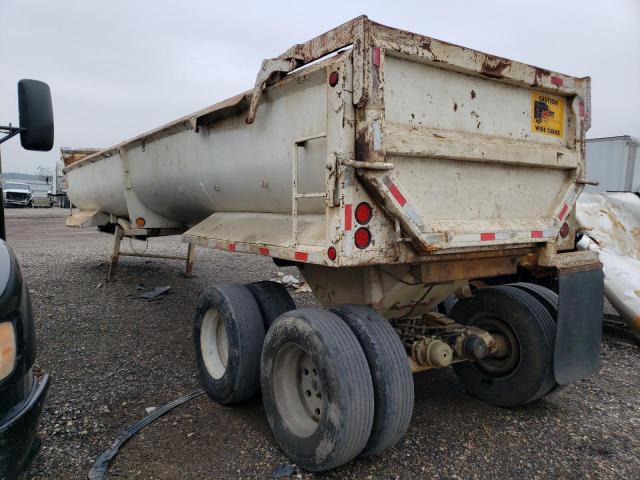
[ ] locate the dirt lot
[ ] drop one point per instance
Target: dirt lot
(112, 355)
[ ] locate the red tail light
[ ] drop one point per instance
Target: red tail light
(564, 230)
(362, 238)
(331, 253)
(363, 213)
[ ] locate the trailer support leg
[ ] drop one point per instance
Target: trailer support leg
(117, 238)
(120, 233)
(191, 256)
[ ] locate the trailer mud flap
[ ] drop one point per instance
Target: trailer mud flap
(579, 330)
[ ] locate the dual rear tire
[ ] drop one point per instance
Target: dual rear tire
(335, 384)
(228, 331)
(521, 320)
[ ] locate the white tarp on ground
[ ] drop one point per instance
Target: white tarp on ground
(611, 224)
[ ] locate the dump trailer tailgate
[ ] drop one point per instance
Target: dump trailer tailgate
(480, 156)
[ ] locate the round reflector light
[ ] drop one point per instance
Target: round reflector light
(564, 230)
(362, 237)
(363, 213)
(140, 222)
(334, 78)
(331, 253)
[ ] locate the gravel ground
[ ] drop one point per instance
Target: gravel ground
(112, 355)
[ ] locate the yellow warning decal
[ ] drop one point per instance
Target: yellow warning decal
(547, 114)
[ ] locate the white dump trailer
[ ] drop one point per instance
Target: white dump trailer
(397, 172)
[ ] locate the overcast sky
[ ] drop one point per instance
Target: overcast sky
(119, 67)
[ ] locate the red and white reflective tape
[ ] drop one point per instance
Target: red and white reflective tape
(400, 197)
(549, 233)
(567, 203)
(504, 235)
(301, 256)
(278, 252)
(557, 81)
(348, 216)
(375, 56)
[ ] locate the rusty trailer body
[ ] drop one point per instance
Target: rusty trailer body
(392, 168)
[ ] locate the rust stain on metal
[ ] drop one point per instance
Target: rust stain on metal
(469, 268)
(70, 156)
(363, 152)
(539, 74)
(455, 107)
(426, 44)
(494, 67)
(473, 94)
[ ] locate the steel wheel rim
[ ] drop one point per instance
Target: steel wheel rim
(297, 390)
(214, 344)
(500, 365)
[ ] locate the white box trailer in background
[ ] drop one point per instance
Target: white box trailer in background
(391, 173)
(613, 162)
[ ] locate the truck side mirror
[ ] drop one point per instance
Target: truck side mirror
(36, 115)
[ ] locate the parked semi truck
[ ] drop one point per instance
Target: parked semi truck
(22, 392)
(392, 169)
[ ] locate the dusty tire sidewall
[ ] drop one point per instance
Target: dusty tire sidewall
(390, 373)
(223, 388)
(285, 331)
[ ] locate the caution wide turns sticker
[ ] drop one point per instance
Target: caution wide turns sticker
(547, 114)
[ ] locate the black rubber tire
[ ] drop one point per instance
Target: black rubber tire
(447, 305)
(345, 381)
(245, 334)
(273, 300)
(548, 298)
(532, 375)
(390, 373)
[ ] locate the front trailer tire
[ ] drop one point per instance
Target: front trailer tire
(525, 373)
(316, 389)
(228, 333)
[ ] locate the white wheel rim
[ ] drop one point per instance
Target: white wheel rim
(297, 390)
(214, 344)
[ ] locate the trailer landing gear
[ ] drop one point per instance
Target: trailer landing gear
(119, 233)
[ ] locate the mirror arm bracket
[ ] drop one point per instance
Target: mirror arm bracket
(10, 132)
